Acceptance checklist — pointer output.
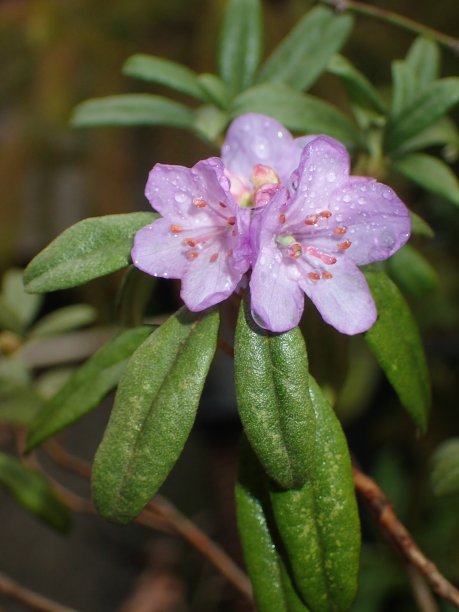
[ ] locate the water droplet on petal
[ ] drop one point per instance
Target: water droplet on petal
(331, 177)
(181, 198)
(387, 194)
(260, 147)
(346, 197)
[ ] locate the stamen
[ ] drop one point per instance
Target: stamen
(192, 255)
(214, 258)
(199, 203)
(314, 276)
(231, 220)
(345, 245)
(229, 252)
(222, 204)
(312, 220)
(176, 229)
(327, 275)
(326, 259)
(295, 250)
(189, 242)
(326, 214)
(282, 218)
(340, 231)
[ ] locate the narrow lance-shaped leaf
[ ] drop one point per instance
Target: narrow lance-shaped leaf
(33, 492)
(89, 249)
(442, 132)
(405, 87)
(423, 58)
(304, 53)
(87, 387)
(394, 340)
(271, 375)
(132, 109)
(445, 468)
(273, 591)
(240, 43)
(17, 308)
(65, 319)
(430, 173)
(318, 522)
(412, 272)
(425, 109)
(299, 112)
(155, 407)
(165, 72)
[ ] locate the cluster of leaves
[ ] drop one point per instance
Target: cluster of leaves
(296, 505)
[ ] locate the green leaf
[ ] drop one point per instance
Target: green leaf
(154, 411)
(430, 173)
(215, 88)
(271, 583)
(33, 492)
(412, 272)
(132, 109)
(304, 53)
(271, 377)
(445, 468)
(442, 132)
(359, 89)
(133, 297)
(165, 72)
(17, 308)
(240, 44)
(299, 112)
(18, 403)
(65, 319)
(210, 123)
(426, 108)
(419, 227)
(92, 248)
(423, 58)
(318, 523)
(404, 88)
(87, 386)
(394, 340)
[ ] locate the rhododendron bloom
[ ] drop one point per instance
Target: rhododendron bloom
(202, 237)
(314, 233)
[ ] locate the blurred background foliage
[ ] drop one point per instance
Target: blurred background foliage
(57, 53)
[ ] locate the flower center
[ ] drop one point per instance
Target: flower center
(264, 185)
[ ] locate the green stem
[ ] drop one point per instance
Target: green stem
(395, 19)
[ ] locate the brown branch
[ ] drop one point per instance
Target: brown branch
(395, 19)
(401, 538)
(33, 600)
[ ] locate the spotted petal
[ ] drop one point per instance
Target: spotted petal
(255, 139)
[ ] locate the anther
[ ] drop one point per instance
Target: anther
(189, 242)
(231, 220)
(214, 258)
(327, 275)
(312, 220)
(344, 245)
(192, 255)
(340, 231)
(295, 250)
(176, 229)
(222, 204)
(325, 214)
(282, 218)
(229, 252)
(200, 203)
(314, 276)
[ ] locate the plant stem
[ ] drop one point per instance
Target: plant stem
(33, 600)
(401, 538)
(395, 19)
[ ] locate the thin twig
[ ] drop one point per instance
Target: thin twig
(421, 592)
(33, 600)
(401, 538)
(395, 19)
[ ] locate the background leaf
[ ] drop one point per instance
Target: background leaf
(318, 522)
(412, 272)
(17, 307)
(304, 53)
(87, 387)
(154, 411)
(445, 468)
(89, 249)
(33, 492)
(423, 58)
(132, 109)
(65, 319)
(299, 112)
(394, 340)
(271, 377)
(240, 44)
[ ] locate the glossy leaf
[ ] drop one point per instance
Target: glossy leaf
(165, 72)
(394, 340)
(132, 109)
(359, 89)
(273, 591)
(93, 247)
(423, 58)
(87, 387)
(299, 112)
(33, 492)
(424, 110)
(155, 407)
(303, 54)
(412, 272)
(430, 173)
(271, 377)
(240, 44)
(318, 522)
(445, 468)
(65, 319)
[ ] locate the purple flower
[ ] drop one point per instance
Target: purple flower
(202, 237)
(320, 225)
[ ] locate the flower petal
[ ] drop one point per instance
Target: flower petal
(377, 221)
(158, 252)
(344, 301)
(256, 139)
(276, 299)
(209, 280)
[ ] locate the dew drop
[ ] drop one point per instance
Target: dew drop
(260, 147)
(331, 177)
(181, 197)
(387, 194)
(346, 198)
(362, 201)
